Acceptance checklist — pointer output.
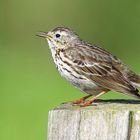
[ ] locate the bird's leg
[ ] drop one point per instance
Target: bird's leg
(81, 100)
(89, 102)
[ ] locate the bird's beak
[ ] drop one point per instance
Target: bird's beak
(42, 34)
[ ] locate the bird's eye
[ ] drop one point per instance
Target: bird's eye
(57, 35)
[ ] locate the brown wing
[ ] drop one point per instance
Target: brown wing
(98, 65)
(129, 74)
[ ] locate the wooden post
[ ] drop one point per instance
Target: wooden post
(105, 120)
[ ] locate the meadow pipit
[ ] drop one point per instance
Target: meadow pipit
(88, 67)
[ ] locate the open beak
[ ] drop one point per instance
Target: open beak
(42, 34)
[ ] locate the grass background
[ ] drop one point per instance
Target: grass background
(29, 83)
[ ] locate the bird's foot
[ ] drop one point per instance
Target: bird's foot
(84, 103)
(81, 100)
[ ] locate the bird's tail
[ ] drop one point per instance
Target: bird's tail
(134, 78)
(135, 84)
(135, 81)
(136, 94)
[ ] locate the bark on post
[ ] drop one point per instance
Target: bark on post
(108, 120)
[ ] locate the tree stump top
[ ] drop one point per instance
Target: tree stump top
(104, 120)
(133, 105)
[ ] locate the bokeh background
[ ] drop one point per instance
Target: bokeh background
(29, 83)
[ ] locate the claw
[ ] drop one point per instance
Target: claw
(84, 104)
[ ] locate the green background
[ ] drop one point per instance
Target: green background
(29, 83)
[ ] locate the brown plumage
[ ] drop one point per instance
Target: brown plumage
(88, 67)
(103, 68)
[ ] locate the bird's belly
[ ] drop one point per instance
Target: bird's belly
(78, 80)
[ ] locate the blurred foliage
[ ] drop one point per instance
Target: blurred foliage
(30, 84)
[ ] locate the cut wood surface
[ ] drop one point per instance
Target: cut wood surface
(104, 120)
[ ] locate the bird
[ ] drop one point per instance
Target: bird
(92, 69)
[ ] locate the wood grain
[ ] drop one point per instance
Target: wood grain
(104, 120)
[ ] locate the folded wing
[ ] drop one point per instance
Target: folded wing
(101, 67)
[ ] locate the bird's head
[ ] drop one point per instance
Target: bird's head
(60, 37)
